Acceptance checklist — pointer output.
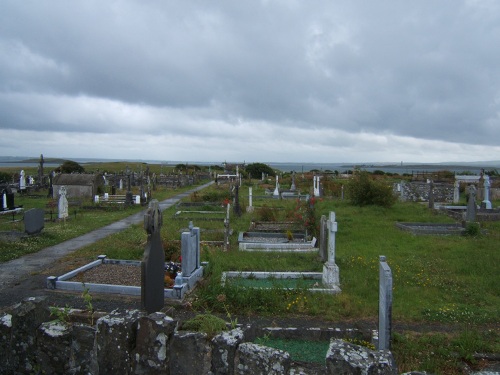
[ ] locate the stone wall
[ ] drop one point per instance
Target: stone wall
(419, 192)
(132, 342)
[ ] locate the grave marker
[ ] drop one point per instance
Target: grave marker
(63, 203)
(470, 214)
(486, 202)
(330, 269)
(153, 264)
(22, 181)
(34, 221)
(385, 305)
(190, 242)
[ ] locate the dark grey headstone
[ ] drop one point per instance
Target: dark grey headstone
(34, 221)
(153, 264)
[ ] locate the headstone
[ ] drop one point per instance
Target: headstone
(431, 194)
(121, 184)
(190, 251)
(237, 207)
(470, 215)
(330, 269)
(293, 187)
(22, 181)
(316, 186)
(456, 192)
(385, 305)
(10, 200)
(34, 221)
(486, 202)
(153, 263)
(4, 200)
(40, 170)
(276, 193)
(323, 239)
(63, 203)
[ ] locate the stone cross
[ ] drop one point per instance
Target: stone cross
(330, 269)
(63, 203)
(153, 263)
(486, 202)
(332, 230)
(385, 305)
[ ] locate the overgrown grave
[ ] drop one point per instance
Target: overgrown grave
(284, 241)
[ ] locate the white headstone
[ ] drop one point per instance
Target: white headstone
(63, 203)
(385, 305)
(486, 202)
(276, 190)
(330, 269)
(22, 181)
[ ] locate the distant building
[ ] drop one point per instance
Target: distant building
(78, 185)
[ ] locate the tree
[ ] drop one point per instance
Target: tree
(255, 170)
(70, 166)
(363, 190)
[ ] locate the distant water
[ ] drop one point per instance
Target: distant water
(284, 167)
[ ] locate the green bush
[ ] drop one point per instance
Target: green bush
(362, 190)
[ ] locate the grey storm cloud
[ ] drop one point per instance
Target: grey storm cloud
(331, 73)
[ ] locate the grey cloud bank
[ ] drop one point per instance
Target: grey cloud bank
(289, 81)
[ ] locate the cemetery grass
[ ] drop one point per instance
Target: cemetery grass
(446, 294)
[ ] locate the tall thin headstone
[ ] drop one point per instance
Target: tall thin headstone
(385, 305)
(486, 202)
(293, 187)
(470, 215)
(250, 200)
(431, 194)
(153, 263)
(276, 193)
(63, 203)
(456, 192)
(40, 170)
(323, 236)
(22, 181)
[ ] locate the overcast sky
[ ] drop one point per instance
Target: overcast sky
(255, 81)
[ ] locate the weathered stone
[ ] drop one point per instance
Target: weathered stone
(54, 347)
(27, 316)
(115, 341)
(350, 359)
(154, 334)
(5, 343)
(191, 353)
(224, 351)
(83, 357)
(253, 359)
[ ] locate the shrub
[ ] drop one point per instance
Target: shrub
(363, 191)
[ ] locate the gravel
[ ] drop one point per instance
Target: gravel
(113, 274)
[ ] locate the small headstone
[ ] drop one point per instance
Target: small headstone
(34, 221)
(153, 264)
(276, 193)
(293, 187)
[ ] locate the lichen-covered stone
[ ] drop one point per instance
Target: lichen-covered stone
(224, 351)
(115, 340)
(152, 352)
(54, 347)
(27, 316)
(191, 353)
(350, 359)
(254, 359)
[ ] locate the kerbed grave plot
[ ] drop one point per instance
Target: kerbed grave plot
(327, 281)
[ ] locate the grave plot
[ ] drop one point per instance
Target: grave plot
(200, 211)
(151, 275)
(327, 281)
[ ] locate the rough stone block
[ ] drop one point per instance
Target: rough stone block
(224, 351)
(152, 352)
(115, 340)
(346, 358)
(253, 359)
(83, 357)
(191, 353)
(54, 347)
